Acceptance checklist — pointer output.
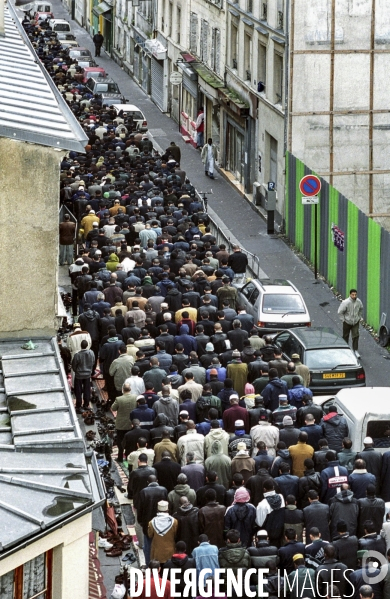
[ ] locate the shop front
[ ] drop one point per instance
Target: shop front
(189, 101)
(102, 21)
(159, 73)
(208, 85)
(238, 137)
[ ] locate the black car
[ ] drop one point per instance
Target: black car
(332, 363)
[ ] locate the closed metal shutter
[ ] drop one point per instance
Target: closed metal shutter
(190, 85)
(158, 83)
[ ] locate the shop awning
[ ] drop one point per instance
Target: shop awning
(188, 57)
(233, 101)
(101, 8)
(208, 75)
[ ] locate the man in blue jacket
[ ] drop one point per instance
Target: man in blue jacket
(273, 390)
(332, 477)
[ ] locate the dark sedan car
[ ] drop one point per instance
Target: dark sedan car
(332, 364)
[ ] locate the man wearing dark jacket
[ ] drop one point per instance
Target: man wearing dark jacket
(98, 40)
(359, 479)
(282, 455)
(346, 545)
(313, 430)
(373, 460)
(316, 515)
(212, 518)
(263, 551)
(138, 480)
(90, 321)
(272, 391)
(289, 434)
(310, 481)
(343, 506)
(308, 407)
(314, 551)
(211, 483)
(372, 541)
(188, 518)
(180, 562)
(332, 477)
(371, 508)
(147, 508)
(330, 572)
(334, 428)
(82, 365)
(320, 461)
(288, 483)
(287, 552)
(241, 516)
(167, 470)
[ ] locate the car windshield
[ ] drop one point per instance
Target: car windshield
(107, 88)
(282, 302)
(328, 358)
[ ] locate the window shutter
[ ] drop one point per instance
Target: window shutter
(194, 32)
(217, 67)
(204, 31)
(212, 49)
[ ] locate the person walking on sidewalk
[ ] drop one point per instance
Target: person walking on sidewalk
(350, 312)
(199, 126)
(98, 40)
(209, 156)
(82, 365)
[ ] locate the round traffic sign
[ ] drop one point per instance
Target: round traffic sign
(176, 78)
(310, 185)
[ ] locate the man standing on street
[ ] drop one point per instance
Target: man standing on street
(67, 234)
(350, 312)
(209, 156)
(82, 365)
(98, 40)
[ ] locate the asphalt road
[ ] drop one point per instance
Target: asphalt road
(277, 260)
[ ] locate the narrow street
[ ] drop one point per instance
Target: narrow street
(235, 215)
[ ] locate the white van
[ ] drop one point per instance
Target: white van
(60, 25)
(367, 411)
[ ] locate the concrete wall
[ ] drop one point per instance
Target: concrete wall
(314, 89)
(70, 546)
(29, 176)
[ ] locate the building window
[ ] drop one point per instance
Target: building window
(247, 57)
(178, 25)
(264, 10)
(261, 67)
(233, 47)
(163, 16)
(216, 50)
(249, 6)
(30, 581)
(273, 162)
(278, 78)
(194, 32)
(204, 34)
(170, 19)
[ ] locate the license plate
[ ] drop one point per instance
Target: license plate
(334, 375)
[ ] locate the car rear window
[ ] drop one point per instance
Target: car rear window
(107, 88)
(328, 358)
(61, 27)
(282, 302)
(136, 114)
(379, 431)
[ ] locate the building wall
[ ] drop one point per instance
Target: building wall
(255, 53)
(29, 238)
(70, 546)
(331, 127)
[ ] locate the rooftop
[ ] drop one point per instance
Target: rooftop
(31, 107)
(46, 476)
